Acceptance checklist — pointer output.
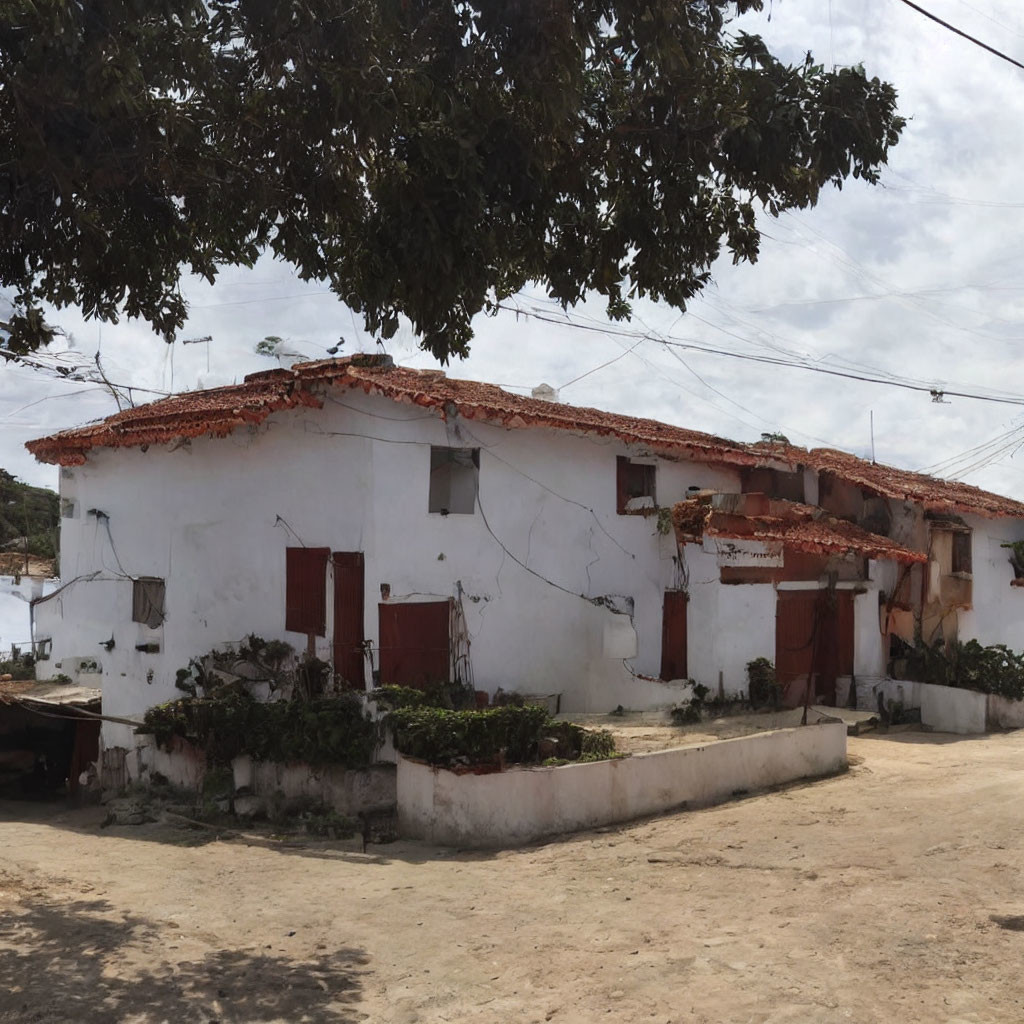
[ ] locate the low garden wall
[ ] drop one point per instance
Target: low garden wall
(1004, 713)
(526, 803)
(259, 784)
(943, 708)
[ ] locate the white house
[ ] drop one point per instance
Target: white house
(419, 527)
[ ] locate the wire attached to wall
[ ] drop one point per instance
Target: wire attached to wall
(281, 521)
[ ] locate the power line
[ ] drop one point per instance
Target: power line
(960, 32)
(614, 359)
(934, 390)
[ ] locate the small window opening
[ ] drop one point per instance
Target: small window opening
(961, 552)
(454, 480)
(148, 601)
(634, 485)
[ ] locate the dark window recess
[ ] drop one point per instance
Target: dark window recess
(775, 483)
(632, 480)
(673, 635)
(148, 601)
(454, 479)
(961, 552)
(306, 590)
(415, 649)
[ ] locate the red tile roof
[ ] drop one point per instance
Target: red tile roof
(888, 482)
(219, 411)
(794, 526)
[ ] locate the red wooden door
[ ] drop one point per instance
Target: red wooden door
(813, 643)
(415, 648)
(348, 618)
(673, 635)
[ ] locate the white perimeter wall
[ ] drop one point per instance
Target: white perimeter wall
(214, 518)
(943, 708)
(517, 806)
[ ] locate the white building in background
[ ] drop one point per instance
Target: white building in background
(413, 528)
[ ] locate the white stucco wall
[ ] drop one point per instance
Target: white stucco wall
(997, 612)
(728, 625)
(517, 806)
(1005, 714)
(214, 518)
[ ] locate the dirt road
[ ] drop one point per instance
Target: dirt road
(891, 893)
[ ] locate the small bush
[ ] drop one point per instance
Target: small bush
(969, 666)
(20, 668)
(491, 736)
(392, 697)
(329, 730)
(763, 688)
(442, 737)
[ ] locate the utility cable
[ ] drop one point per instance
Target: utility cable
(961, 32)
(934, 389)
(614, 359)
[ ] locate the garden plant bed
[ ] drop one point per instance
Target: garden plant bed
(639, 732)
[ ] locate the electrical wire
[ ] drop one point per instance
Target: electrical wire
(520, 562)
(491, 453)
(933, 389)
(961, 32)
(609, 362)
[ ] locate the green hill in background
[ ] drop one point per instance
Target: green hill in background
(32, 512)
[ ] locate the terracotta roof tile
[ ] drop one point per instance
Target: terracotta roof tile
(795, 526)
(933, 494)
(219, 411)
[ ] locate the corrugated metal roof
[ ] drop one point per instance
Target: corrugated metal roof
(49, 693)
(219, 411)
(795, 526)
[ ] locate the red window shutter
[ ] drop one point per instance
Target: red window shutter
(306, 590)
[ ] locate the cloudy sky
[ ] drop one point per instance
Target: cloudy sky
(918, 278)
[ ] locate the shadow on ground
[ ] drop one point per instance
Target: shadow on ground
(82, 962)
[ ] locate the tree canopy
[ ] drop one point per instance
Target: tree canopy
(427, 158)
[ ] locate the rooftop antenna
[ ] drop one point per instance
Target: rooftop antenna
(872, 412)
(204, 340)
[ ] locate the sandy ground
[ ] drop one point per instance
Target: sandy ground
(891, 893)
(13, 563)
(637, 732)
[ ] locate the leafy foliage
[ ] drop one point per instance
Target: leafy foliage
(995, 669)
(19, 668)
(27, 511)
(427, 159)
(763, 688)
(1016, 558)
(326, 731)
(222, 717)
(491, 736)
(390, 697)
